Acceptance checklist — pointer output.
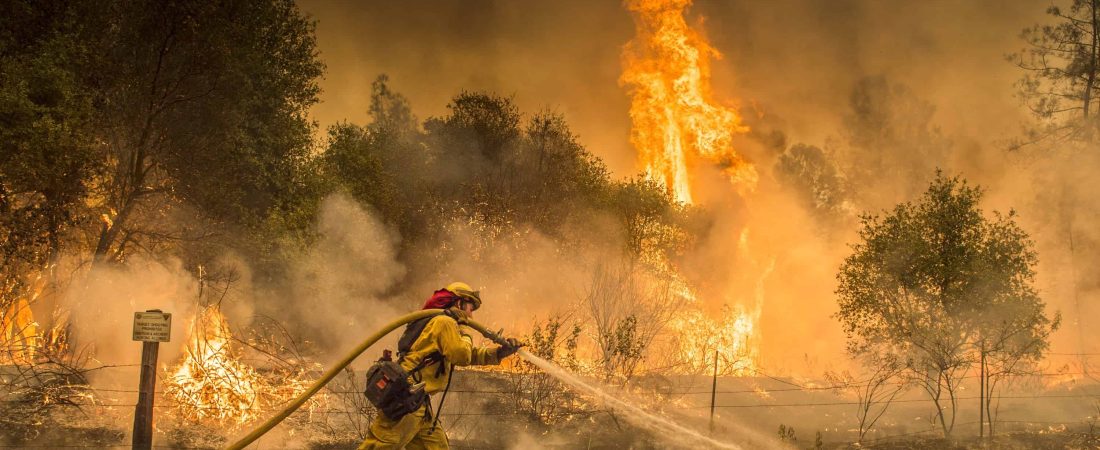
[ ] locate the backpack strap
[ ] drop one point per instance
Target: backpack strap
(450, 376)
(412, 332)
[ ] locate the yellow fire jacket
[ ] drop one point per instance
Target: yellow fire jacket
(442, 334)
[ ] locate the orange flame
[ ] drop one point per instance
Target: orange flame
(18, 333)
(20, 340)
(731, 338)
(675, 120)
(212, 383)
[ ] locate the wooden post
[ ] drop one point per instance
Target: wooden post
(143, 412)
(151, 328)
(713, 390)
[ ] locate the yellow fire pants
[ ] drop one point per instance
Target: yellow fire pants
(412, 432)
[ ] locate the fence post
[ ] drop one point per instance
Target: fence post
(151, 328)
(143, 412)
(713, 390)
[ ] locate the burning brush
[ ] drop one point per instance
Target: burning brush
(214, 385)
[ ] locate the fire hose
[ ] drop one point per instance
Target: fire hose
(333, 371)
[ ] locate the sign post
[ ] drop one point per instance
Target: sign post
(151, 328)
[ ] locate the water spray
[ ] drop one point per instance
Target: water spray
(635, 414)
(638, 416)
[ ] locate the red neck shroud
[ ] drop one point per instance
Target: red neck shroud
(441, 299)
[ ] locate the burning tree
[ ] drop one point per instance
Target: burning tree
(932, 281)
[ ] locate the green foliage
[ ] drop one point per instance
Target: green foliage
(498, 172)
(643, 206)
(623, 344)
(936, 259)
(182, 129)
(210, 100)
(355, 157)
(48, 153)
(931, 279)
(153, 127)
(389, 110)
(625, 339)
(480, 128)
(483, 166)
(552, 343)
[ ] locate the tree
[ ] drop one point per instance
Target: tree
(485, 170)
(48, 152)
(653, 223)
(201, 103)
(1013, 330)
(925, 280)
(384, 164)
(388, 109)
(1062, 64)
(1012, 341)
(531, 391)
(356, 160)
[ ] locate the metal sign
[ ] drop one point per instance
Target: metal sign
(152, 326)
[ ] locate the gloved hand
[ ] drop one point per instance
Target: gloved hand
(513, 346)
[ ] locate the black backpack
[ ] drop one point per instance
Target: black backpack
(388, 387)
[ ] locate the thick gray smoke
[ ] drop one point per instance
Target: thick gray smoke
(338, 288)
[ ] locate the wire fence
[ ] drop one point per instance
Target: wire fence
(792, 387)
(751, 405)
(795, 387)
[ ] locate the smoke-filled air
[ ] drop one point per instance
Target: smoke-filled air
(638, 224)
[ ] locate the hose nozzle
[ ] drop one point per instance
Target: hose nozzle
(496, 337)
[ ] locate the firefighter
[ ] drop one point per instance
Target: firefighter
(430, 359)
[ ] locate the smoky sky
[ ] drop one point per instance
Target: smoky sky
(795, 60)
(792, 64)
(563, 56)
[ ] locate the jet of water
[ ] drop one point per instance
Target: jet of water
(634, 414)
